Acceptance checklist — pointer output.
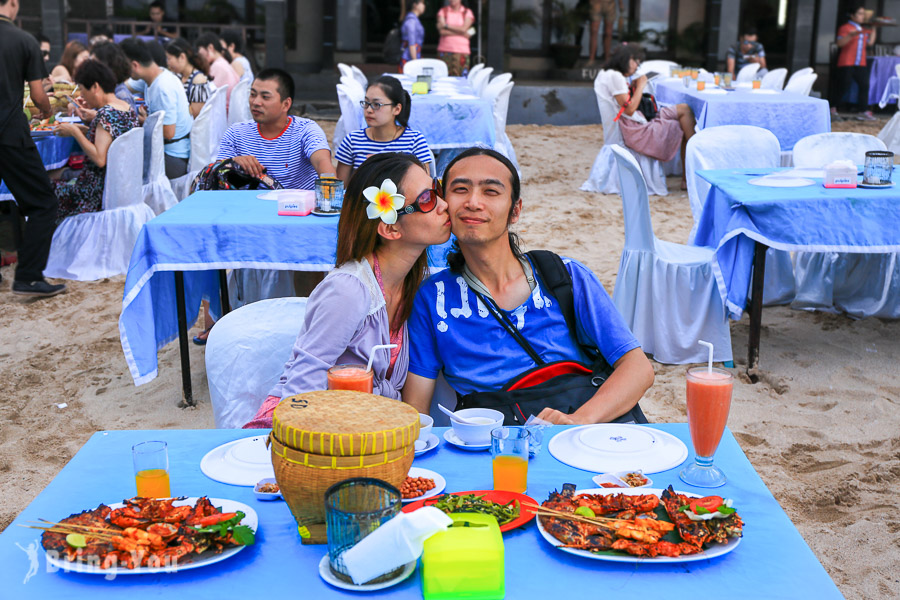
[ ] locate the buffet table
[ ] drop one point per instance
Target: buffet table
(772, 560)
(54, 151)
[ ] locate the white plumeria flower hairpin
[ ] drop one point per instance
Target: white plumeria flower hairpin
(384, 201)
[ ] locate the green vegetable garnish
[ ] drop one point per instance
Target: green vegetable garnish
(504, 513)
(702, 511)
(242, 534)
(683, 507)
(725, 510)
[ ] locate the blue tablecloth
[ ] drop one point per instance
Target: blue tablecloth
(772, 561)
(54, 151)
(813, 218)
(789, 116)
(881, 71)
(206, 232)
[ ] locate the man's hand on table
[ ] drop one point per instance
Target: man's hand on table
(250, 165)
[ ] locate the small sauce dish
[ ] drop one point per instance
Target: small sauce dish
(266, 495)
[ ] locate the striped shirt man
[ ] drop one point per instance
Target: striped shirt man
(356, 147)
(285, 157)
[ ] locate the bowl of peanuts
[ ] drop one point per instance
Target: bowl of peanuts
(420, 484)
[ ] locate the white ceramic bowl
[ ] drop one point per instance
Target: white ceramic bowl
(425, 425)
(480, 434)
(266, 495)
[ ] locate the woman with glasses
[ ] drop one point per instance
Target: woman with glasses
(393, 210)
(386, 108)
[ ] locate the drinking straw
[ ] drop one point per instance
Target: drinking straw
(701, 342)
(390, 346)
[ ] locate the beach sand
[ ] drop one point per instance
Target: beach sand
(822, 428)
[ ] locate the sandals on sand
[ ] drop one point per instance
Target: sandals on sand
(200, 339)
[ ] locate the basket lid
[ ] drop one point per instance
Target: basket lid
(344, 423)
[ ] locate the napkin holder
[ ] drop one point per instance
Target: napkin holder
(297, 204)
(465, 562)
(840, 174)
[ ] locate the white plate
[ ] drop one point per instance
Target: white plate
(439, 483)
(644, 448)
(452, 439)
(431, 442)
(207, 558)
(332, 579)
(712, 552)
(241, 462)
(781, 182)
(873, 186)
(765, 91)
(617, 479)
(319, 213)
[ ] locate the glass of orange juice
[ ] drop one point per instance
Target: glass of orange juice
(757, 83)
(151, 469)
(708, 403)
(509, 451)
(350, 377)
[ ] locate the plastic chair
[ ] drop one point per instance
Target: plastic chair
(800, 73)
(206, 135)
(414, 68)
(351, 113)
(666, 292)
(747, 72)
(481, 79)
(239, 107)
(354, 85)
(862, 285)
(359, 76)
(738, 147)
(497, 93)
(604, 178)
(801, 84)
(96, 245)
(473, 71)
(890, 134)
(157, 189)
(663, 67)
(432, 166)
(773, 80)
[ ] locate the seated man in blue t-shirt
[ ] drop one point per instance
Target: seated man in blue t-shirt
(451, 330)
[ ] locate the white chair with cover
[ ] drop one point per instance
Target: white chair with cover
(738, 147)
(206, 135)
(604, 178)
(666, 292)
(480, 81)
(345, 70)
(414, 68)
(800, 73)
(890, 134)
(351, 112)
(157, 189)
(773, 80)
(747, 72)
(245, 356)
(432, 166)
(498, 82)
(862, 285)
(473, 71)
(497, 93)
(239, 107)
(96, 245)
(801, 84)
(352, 83)
(663, 67)
(359, 76)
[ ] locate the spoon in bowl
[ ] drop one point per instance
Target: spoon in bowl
(454, 416)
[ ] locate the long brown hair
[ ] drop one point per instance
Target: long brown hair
(358, 234)
(70, 53)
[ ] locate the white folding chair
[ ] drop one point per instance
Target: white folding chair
(801, 84)
(473, 71)
(666, 292)
(239, 107)
(862, 285)
(414, 68)
(663, 67)
(206, 135)
(480, 80)
(359, 76)
(747, 72)
(351, 117)
(741, 147)
(800, 73)
(604, 178)
(157, 189)
(773, 80)
(96, 245)
(497, 93)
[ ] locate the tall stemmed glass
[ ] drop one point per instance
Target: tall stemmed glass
(708, 403)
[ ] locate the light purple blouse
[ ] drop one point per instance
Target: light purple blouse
(345, 316)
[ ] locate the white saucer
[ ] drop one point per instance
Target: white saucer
(319, 213)
(875, 186)
(431, 442)
(614, 447)
(332, 579)
(781, 182)
(439, 483)
(452, 439)
(241, 462)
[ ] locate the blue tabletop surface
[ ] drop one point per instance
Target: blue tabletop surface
(54, 151)
(814, 218)
(207, 231)
(789, 116)
(772, 561)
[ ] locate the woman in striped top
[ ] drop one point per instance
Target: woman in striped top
(193, 71)
(387, 108)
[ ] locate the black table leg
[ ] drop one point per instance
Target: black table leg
(756, 304)
(223, 292)
(188, 395)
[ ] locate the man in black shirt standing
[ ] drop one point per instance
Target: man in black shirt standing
(21, 167)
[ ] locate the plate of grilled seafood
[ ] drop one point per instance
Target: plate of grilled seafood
(639, 524)
(148, 535)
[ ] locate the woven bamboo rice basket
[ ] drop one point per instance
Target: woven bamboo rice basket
(321, 438)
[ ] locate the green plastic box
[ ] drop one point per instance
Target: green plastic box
(465, 561)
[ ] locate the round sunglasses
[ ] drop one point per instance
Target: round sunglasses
(426, 201)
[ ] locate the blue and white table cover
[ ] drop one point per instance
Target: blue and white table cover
(738, 214)
(789, 116)
(772, 560)
(891, 92)
(208, 231)
(54, 151)
(880, 73)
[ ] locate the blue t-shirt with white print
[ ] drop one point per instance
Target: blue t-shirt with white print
(451, 329)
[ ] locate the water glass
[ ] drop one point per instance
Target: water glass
(329, 194)
(878, 168)
(727, 77)
(509, 451)
(151, 469)
(354, 508)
